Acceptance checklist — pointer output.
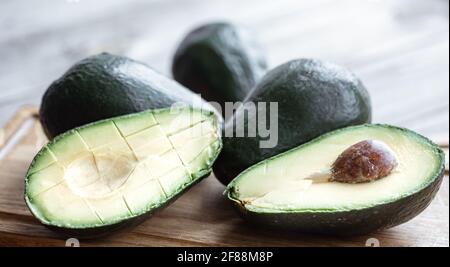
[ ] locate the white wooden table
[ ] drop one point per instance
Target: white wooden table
(399, 48)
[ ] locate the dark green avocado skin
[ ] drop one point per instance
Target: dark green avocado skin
(313, 97)
(219, 61)
(348, 223)
(105, 86)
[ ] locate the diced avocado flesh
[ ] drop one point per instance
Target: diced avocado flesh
(120, 168)
(278, 185)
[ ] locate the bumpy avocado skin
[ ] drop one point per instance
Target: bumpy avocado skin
(219, 61)
(313, 97)
(105, 86)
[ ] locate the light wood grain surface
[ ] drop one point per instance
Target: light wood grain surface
(399, 48)
(201, 217)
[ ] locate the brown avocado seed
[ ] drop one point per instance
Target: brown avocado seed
(362, 162)
(365, 161)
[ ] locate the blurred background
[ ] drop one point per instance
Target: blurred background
(399, 48)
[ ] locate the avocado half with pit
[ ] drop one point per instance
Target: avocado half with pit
(282, 192)
(113, 173)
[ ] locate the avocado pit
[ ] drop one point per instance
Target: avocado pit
(366, 161)
(363, 162)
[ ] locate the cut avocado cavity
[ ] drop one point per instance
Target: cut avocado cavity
(102, 175)
(279, 193)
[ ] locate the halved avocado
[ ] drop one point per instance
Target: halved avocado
(277, 192)
(115, 172)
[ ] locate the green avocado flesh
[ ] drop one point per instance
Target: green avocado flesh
(220, 61)
(119, 169)
(275, 192)
(105, 86)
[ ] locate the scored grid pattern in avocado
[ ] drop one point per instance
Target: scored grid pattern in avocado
(188, 162)
(35, 169)
(54, 162)
(101, 178)
(178, 155)
(95, 164)
(185, 128)
(93, 210)
(173, 148)
(136, 158)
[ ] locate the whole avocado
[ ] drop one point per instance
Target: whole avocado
(314, 97)
(105, 86)
(219, 61)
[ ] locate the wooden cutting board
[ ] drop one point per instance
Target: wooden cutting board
(201, 217)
